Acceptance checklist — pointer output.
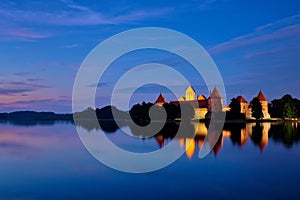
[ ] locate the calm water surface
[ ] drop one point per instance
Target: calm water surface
(48, 161)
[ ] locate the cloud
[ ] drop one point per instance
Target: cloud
(12, 145)
(12, 91)
(206, 4)
(56, 105)
(21, 34)
(18, 87)
(282, 29)
(26, 84)
(280, 23)
(74, 14)
(261, 53)
(70, 46)
(100, 85)
(34, 79)
(21, 73)
(71, 4)
(51, 64)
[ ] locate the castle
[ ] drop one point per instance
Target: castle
(214, 103)
(247, 110)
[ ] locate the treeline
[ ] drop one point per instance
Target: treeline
(107, 117)
(32, 115)
(105, 113)
(143, 113)
(286, 107)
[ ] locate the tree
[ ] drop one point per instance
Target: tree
(235, 109)
(172, 111)
(275, 108)
(256, 108)
(288, 107)
(235, 106)
(140, 113)
(297, 105)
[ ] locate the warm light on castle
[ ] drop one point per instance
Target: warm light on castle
(214, 103)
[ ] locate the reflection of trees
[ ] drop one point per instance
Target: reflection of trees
(218, 146)
(111, 126)
(24, 122)
(286, 133)
(169, 130)
(87, 124)
(236, 131)
(32, 118)
(107, 125)
(257, 133)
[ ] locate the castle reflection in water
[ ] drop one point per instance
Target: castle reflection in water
(240, 134)
(192, 135)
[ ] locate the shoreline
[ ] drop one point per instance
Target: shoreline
(51, 116)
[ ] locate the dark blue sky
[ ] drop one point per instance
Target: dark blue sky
(255, 44)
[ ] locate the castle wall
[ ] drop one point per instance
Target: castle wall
(265, 110)
(200, 113)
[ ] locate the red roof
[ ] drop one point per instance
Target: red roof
(215, 94)
(160, 99)
(241, 99)
(261, 96)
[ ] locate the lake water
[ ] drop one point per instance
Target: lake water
(48, 161)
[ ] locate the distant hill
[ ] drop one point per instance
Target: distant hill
(105, 113)
(33, 115)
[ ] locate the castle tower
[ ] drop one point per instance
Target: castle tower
(244, 106)
(264, 103)
(190, 94)
(160, 100)
(215, 101)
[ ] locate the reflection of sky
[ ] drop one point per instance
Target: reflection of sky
(53, 164)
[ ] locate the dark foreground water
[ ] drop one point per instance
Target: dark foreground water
(48, 161)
